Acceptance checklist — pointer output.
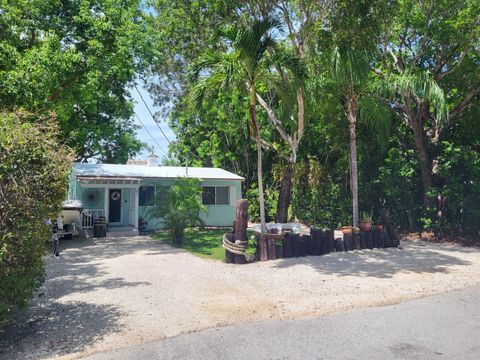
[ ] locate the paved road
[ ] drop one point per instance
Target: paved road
(445, 326)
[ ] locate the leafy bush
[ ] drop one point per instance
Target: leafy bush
(399, 187)
(271, 198)
(318, 197)
(179, 207)
(34, 171)
(459, 173)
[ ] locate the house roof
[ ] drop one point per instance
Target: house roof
(142, 171)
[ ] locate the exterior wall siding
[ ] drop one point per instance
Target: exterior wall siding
(216, 215)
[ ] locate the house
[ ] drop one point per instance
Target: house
(123, 193)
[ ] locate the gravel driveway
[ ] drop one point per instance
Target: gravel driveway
(110, 293)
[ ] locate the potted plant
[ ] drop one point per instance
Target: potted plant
(365, 221)
(346, 229)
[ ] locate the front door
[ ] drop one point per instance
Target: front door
(115, 206)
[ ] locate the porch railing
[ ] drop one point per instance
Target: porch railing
(88, 217)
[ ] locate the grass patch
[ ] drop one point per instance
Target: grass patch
(206, 243)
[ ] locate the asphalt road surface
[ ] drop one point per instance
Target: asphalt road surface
(445, 326)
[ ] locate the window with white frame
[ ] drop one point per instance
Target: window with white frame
(215, 195)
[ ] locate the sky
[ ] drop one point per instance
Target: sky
(142, 112)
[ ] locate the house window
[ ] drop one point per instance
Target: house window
(215, 195)
(208, 196)
(146, 196)
(162, 194)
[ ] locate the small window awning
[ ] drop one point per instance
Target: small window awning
(99, 180)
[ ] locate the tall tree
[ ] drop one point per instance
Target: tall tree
(427, 48)
(77, 59)
(243, 65)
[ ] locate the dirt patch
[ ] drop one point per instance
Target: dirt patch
(429, 236)
(111, 293)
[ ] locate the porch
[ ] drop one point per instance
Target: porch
(114, 199)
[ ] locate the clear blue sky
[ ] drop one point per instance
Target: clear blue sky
(144, 115)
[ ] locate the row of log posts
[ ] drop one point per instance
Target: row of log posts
(365, 240)
(319, 241)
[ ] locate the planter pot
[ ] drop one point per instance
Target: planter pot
(379, 227)
(346, 229)
(365, 226)
(355, 230)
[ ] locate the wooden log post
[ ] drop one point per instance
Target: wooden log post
(339, 245)
(309, 245)
(241, 220)
(272, 251)
(331, 241)
(302, 245)
(363, 240)
(262, 247)
(369, 237)
(239, 232)
(347, 242)
(288, 246)
(279, 250)
(296, 244)
(229, 257)
(316, 241)
(356, 241)
(390, 233)
(375, 238)
(381, 238)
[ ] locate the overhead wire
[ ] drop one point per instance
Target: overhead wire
(161, 130)
(148, 132)
(151, 114)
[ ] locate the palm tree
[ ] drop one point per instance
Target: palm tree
(351, 83)
(241, 64)
(417, 98)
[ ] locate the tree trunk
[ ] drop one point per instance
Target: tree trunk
(423, 156)
(255, 131)
(261, 198)
(285, 194)
(352, 119)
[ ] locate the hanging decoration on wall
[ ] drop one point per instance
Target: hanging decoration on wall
(90, 197)
(115, 195)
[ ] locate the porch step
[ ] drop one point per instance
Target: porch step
(122, 231)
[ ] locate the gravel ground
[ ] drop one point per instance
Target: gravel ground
(111, 293)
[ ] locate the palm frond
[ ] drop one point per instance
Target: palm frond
(377, 117)
(418, 85)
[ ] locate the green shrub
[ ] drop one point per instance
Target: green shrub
(319, 197)
(180, 207)
(34, 171)
(459, 173)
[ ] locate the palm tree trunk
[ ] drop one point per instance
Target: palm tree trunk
(352, 119)
(255, 129)
(261, 198)
(285, 194)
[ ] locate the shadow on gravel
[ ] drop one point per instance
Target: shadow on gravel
(53, 329)
(80, 269)
(380, 263)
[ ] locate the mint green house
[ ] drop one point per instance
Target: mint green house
(123, 193)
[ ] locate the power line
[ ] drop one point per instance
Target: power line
(159, 146)
(153, 117)
(151, 114)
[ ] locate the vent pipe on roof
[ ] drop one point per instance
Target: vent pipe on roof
(152, 159)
